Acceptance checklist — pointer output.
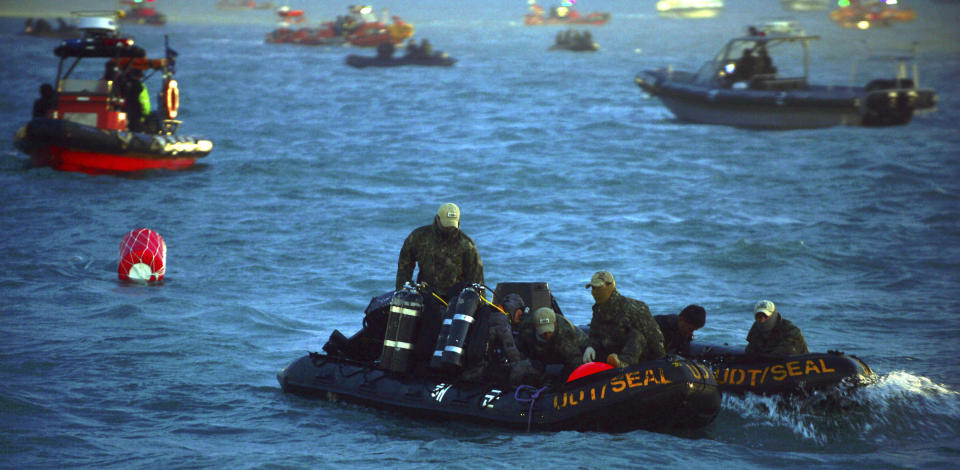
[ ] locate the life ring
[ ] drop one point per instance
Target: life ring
(171, 97)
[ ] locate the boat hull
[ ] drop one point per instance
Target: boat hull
(358, 61)
(654, 395)
(69, 146)
(786, 104)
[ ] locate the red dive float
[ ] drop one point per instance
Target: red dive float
(143, 256)
(83, 124)
(563, 14)
(360, 27)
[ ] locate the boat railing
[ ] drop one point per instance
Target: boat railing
(905, 57)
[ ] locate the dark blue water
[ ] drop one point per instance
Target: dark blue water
(561, 167)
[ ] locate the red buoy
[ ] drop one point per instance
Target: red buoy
(143, 256)
(589, 368)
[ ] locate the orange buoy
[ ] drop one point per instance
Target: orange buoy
(589, 368)
(143, 256)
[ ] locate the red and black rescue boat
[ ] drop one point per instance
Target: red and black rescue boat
(84, 125)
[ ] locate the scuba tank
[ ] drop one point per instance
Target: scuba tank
(402, 321)
(456, 325)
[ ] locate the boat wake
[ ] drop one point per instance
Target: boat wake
(896, 406)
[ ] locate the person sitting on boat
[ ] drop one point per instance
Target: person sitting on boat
(412, 49)
(744, 67)
(678, 330)
(136, 100)
(46, 103)
(773, 335)
(549, 338)
(426, 49)
(447, 257)
(764, 62)
(385, 50)
(502, 361)
(622, 331)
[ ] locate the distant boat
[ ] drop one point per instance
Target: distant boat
(689, 8)
(806, 5)
(738, 92)
(563, 14)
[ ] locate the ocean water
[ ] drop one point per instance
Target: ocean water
(561, 167)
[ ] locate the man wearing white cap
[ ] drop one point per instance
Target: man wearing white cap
(446, 256)
(773, 335)
(622, 331)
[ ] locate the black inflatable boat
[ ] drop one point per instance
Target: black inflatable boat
(376, 367)
(438, 59)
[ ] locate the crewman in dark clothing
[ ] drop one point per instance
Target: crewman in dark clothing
(764, 63)
(47, 101)
(678, 329)
(502, 361)
(745, 67)
(447, 257)
(385, 50)
(622, 331)
(136, 100)
(773, 335)
(551, 339)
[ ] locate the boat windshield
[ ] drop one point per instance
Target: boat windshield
(769, 56)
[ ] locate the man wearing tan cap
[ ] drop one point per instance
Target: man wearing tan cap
(622, 331)
(552, 339)
(446, 256)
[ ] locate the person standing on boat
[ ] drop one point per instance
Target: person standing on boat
(622, 331)
(447, 257)
(773, 335)
(136, 100)
(551, 339)
(678, 329)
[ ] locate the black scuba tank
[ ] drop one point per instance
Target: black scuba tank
(406, 306)
(453, 334)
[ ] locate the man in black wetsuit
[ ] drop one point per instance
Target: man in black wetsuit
(678, 329)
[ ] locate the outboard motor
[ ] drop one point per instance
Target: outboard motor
(453, 333)
(406, 306)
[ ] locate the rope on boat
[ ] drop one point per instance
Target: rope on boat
(533, 399)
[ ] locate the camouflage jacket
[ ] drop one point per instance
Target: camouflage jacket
(445, 259)
(784, 339)
(624, 326)
(673, 340)
(564, 347)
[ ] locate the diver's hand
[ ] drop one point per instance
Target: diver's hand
(589, 354)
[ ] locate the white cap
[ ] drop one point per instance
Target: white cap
(765, 307)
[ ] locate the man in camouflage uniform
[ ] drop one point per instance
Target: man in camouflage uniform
(622, 331)
(551, 339)
(447, 257)
(773, 335)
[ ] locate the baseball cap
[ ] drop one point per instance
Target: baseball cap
(765, 307)
(600, 278)
(449, 215)
(545, 319)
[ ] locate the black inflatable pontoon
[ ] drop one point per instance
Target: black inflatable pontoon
(737, 372)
